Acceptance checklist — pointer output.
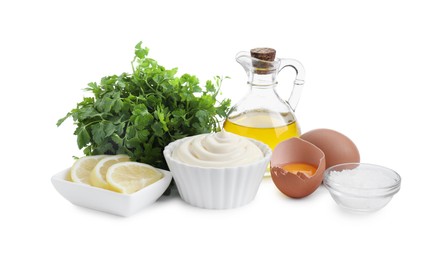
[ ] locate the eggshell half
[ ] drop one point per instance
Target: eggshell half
(337, 147)
(296, 150)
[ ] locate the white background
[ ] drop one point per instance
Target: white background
(376, 71)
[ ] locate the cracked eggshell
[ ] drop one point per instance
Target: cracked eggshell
(337, 147)
(296, 150)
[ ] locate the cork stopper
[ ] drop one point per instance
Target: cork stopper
(267, 54)
(263, 54)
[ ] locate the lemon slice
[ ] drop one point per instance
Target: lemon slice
(98, 174)
(80, 171)
(129, 177)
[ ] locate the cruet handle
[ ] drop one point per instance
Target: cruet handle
(297, 84)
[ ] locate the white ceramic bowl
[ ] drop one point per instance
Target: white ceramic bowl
(109, 201)
(217, 188)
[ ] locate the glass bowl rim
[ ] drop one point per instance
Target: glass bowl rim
(383, 191)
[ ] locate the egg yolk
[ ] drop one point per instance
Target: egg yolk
(307, 169)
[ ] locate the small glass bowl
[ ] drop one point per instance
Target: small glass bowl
(360, 186)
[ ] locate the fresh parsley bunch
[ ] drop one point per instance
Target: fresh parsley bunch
(139, 114)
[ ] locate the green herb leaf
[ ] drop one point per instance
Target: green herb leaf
(83, 137)
(60, 121)
(141, 53)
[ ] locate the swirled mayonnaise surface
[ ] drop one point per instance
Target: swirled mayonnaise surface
(220, 149)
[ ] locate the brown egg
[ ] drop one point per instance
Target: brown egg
(336, 147)
(296, 151)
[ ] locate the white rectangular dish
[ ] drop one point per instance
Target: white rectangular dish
(109, 201)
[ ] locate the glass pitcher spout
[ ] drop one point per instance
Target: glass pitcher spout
(244, 59)
(259, 72)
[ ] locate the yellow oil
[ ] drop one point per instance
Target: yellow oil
(267, 127)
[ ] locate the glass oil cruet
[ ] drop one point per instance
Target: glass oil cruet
(262, 114)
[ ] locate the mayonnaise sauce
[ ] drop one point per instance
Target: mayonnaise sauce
(222, 149)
